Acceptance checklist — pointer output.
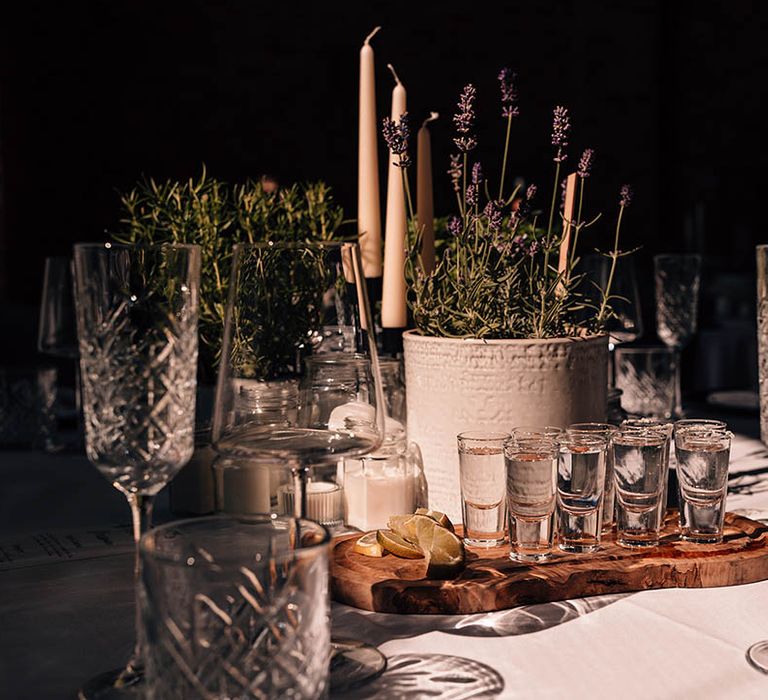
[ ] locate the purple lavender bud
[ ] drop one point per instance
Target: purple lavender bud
(471, 196)
(625, 194)
(561, 127)
(494, 215)
(508, 88)
(464, 119)
(465, 143)
(533, 248)
(585, 163)
(455, 172)
(397, 135)
(454, 226)
(530, 193)
(477, 174)
(563, 190)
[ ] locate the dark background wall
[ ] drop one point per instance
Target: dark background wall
(95, 94)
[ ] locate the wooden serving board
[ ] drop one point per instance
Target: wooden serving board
(491, 581)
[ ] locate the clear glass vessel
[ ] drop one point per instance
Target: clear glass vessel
(137, 313)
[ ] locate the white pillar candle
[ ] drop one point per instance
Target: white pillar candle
(393, 307)
(368, 207)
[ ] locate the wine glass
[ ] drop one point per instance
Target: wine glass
(137, 313)
(625, 322)
(282, 298)
(57, 333)
(677, 297)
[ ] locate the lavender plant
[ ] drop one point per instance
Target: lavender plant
(498, 274)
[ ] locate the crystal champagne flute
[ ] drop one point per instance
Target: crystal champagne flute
(677, 298)
(137, 313)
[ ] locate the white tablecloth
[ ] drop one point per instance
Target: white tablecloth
(67, 619)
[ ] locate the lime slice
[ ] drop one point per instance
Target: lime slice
(368, 545)
(399, 546)
(440, 518)
(445, 552)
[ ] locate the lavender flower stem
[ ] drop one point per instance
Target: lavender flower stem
(614, 259)
(554, 201)
(504, 162)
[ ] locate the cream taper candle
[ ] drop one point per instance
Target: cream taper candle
(424, 196)
(393, 307)
(368, 207)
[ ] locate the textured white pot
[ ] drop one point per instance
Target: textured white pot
(457, 385)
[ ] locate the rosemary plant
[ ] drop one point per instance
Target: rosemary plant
(216, 215)
(499, 275)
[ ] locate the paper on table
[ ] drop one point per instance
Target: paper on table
(46, 547)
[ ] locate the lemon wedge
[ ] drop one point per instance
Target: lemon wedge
(368, 545)
(398, 545)
(440, 518)
(445, 553)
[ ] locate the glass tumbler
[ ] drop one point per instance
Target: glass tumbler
(580, 484)
(482, 475)
(638, 462)
(531, 486)
(236, 607)
(702, 473)
(646, 377)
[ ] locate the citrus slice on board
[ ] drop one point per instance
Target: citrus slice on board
(445, 553)
(440, 518)
(398, 545)
(368, 545)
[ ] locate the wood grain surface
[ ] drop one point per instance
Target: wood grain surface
(491, 581)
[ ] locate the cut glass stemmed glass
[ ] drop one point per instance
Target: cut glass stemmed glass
(677, 280)
(137, 313)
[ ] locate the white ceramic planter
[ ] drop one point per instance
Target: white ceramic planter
(457, 385)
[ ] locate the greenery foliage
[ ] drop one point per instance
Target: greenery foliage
(215, 215)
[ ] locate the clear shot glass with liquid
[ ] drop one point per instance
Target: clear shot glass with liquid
(703, 455)
(531, 487)
(639, 462)
(580, 483)
(482, 474)
(605, 431)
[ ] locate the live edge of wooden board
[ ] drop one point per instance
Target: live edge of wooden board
(490, 581)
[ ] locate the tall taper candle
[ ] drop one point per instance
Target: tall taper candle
(425, 206)
(368, 207)
(393, 306)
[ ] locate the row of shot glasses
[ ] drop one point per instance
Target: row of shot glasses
(536, 485)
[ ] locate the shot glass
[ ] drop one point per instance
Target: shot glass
(550, 432)
(702, 471)
(483, 497)
(666, 428)
(531, 487)
(606, 432)
(638, 463)
(580, 484)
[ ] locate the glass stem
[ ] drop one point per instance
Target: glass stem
(678, 412)
(141, 516)
(300, 475)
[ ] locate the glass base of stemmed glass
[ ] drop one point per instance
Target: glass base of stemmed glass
(125, 682)
(757, 656)
(354, 663)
